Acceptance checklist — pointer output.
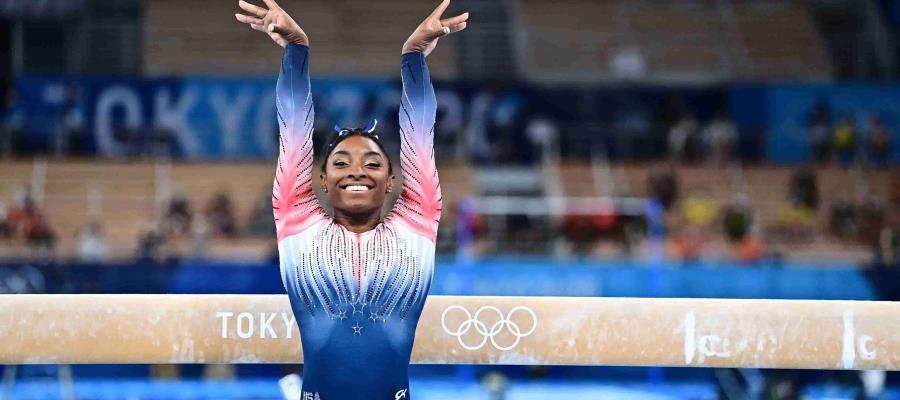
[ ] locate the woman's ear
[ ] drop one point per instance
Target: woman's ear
(390, 184)
(322, 182)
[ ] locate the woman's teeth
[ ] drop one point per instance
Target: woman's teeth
(356, 188)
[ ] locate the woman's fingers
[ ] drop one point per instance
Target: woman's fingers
(458, 27)
(455, 20)
(248, 19)
(271, 4)
(440, 9)
(261, 28)
(253, 9)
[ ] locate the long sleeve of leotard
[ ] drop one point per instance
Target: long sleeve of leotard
(293, 201)
(419, 204)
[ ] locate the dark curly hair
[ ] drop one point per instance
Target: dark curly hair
(342, 134)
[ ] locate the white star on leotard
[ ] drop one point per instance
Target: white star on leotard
(357, 329)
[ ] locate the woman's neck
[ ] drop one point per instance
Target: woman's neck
(358, 223)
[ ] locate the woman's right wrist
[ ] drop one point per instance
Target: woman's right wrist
(305, 46)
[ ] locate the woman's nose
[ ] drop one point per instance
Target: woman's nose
(356, 171)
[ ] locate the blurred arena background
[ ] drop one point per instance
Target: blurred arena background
(648, 148)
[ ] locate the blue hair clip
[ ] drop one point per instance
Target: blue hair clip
(372, 126)
(341, 131)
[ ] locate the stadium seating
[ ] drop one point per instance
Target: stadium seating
(679, 40)
(77, 191)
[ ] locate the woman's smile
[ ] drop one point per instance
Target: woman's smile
(356, 188)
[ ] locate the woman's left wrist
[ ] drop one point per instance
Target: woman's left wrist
(410, 49)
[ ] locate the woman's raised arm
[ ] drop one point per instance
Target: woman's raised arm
(419, 204)
(293, 201)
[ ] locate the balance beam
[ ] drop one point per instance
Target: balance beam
(151, 329)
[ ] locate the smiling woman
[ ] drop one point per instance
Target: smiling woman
(357, 175)
(357, 284)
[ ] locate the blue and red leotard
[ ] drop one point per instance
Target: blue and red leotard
(357, 297)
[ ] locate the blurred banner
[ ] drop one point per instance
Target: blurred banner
(531, 277)
(199, 118)
(234, 118)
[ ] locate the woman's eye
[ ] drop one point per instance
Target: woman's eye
(339, 163)
(373, 165)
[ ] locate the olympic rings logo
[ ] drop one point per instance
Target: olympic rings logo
(504, 322)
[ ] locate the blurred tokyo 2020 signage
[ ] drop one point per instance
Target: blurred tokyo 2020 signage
(199, 118)
(226, 118)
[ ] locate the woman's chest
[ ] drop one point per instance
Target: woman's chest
(341, 272)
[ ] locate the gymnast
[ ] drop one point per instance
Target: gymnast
(356, 283)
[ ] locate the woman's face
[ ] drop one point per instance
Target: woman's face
(356, 177)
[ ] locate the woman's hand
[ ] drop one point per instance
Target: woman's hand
(425, 37)
(273, 21)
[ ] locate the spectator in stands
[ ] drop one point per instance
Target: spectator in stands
(795, 224)
(580, 233)
(92, 244)
(151, 244)
(200, 231)
(804, 189)
(24, 215)
(688, 243)
(177, 218)
(720, 135)
(261, 222)
(845, 140)
(842, 221)
(751, 248)
(737, 220)
(820, 131)
(683, 139)
(5, 231)
(798, 216)
(12, 122)
(700, 209)
(220, 215)
(872, 218)
(878, 144)
(40, 235)
(662, 185)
